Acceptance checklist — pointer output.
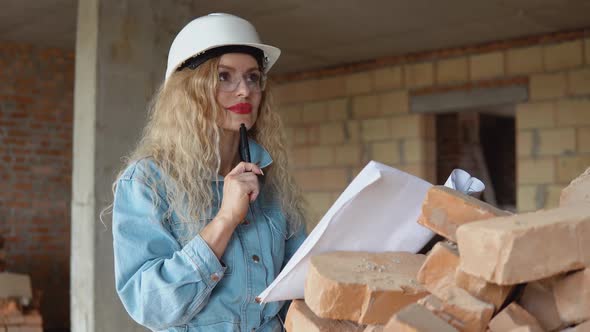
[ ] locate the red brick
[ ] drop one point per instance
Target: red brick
(438, 270)
(578, 191)
(24, 329)
(526, 247)
(367, 288)
(459, 308)
(512, 317)
(481, 289)
(33, 319)
(301, 318)
(445, 209)
(538, 300)
(416, 318)
(9, 307)
(572, 297)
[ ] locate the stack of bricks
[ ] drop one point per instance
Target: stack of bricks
(495, 271)
(17, 312)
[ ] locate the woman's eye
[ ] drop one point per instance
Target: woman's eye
(253, 77)
(223, 76)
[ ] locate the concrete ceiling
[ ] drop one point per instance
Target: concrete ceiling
(318, 34)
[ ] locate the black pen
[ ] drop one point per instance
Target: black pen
(245, 152)
(244, 147)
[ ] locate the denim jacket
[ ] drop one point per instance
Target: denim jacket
(169, 286)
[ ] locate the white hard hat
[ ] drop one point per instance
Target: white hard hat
(213, 31)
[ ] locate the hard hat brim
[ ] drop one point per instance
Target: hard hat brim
(271, 55)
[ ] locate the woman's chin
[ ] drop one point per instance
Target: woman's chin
(236, 122)
(235, 125)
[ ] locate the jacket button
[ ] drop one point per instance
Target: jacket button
(245, 222)
(256, 259)
(214, 277)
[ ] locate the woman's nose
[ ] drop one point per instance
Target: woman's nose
(243, 89)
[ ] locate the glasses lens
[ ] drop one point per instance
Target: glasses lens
(229, 82)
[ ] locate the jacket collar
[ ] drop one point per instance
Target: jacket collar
(258, 155)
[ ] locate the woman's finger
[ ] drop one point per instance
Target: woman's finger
(250, 184)
(244, 167)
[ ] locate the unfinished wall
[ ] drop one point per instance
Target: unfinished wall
(36, 95)
(338, 119)
(553, 128)
(336, 125)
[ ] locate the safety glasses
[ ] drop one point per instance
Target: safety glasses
(229, 81)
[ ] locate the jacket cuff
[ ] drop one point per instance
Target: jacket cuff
(204, 260)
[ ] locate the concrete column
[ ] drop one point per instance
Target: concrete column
(83, 196)
(116, 74)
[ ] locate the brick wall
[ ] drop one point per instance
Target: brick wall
(337, 119)
(350, 121)
(553, 128)
(36, 96)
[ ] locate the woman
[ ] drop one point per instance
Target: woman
(197, 233)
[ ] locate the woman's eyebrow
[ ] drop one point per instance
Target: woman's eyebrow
(234, 69)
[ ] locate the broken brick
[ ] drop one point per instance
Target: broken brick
(367, 288)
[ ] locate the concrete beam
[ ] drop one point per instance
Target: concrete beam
(468, 99)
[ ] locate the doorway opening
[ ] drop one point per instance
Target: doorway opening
(483, 143)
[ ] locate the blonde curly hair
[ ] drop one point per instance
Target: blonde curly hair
(182, 137)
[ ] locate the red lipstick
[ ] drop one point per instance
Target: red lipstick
(241, 108)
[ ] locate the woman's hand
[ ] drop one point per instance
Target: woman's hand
(240, 187)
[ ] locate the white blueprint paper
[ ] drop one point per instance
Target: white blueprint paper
(377, 212)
